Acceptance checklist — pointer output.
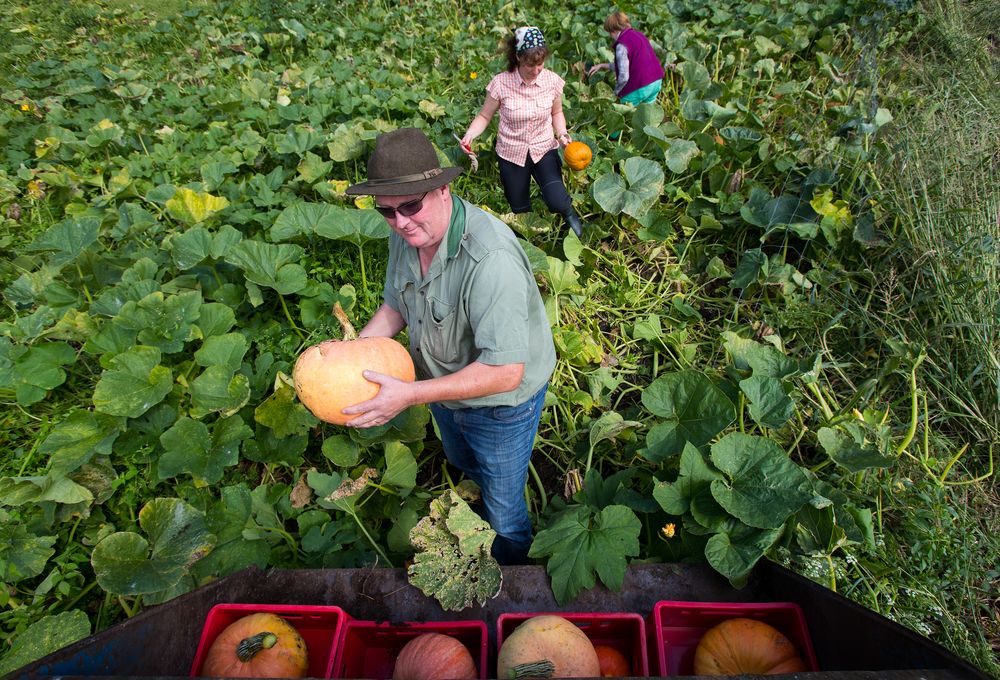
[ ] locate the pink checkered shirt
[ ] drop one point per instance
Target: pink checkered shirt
(525, 114)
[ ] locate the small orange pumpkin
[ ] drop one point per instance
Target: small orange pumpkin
(740, 646)
(613, 662)
(433, 656)
(577, 155)
(328, 376)
(260, 645)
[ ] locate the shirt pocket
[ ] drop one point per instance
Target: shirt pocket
(442, 335)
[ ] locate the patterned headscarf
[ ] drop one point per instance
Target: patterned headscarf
(527, 37)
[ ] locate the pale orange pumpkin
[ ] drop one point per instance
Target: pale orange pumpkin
(547, 646)
(577, 155)
(328, 376)
(739, 646)
(433, 656)
(259, 645)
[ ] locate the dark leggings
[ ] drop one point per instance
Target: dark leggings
(547, 172)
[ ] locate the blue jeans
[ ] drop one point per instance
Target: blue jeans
(492, 446)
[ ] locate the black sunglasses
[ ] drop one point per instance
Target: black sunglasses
(407, 209)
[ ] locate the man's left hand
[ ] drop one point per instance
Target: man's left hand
(393, 397)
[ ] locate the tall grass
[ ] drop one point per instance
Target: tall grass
(939, 181)
(936, 290)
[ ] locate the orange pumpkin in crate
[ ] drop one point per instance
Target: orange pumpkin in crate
(257, 646)
(740, 646)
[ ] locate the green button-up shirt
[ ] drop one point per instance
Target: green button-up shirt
(478, 302)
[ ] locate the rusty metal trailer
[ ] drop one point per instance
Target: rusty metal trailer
(849, 641)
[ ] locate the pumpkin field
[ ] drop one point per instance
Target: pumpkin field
(778, 337)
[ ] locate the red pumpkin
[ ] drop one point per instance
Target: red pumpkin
(257, 646)
(547, 646)
(741, 646)
(613, 663)
(433, 656)
(328, 376)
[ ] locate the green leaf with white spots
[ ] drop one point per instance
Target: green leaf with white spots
(133, 383)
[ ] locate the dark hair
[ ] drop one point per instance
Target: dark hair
(531, 56)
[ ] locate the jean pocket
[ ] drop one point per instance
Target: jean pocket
(513, 414)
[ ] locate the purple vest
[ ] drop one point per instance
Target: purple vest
(643, 65)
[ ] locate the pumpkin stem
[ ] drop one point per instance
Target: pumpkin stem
(534, 669)
(249, 647)
(345, 323)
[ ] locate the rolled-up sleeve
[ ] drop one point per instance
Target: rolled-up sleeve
(498, 309)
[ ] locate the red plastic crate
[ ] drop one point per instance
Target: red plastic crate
(623, 631)
(679, 626)
(319, 626)
(368, 649)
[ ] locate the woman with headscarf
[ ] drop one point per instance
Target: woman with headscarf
(532, 127)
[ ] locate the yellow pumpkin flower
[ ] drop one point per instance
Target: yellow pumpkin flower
(473, 75)
(25, 107)
(668, 530)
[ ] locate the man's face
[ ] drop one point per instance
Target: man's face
(427, 226)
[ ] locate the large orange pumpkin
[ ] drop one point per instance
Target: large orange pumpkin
(577, 155)
(738, 646)
(327, 376)
(257, 646)
(547, 646)
(433, 656)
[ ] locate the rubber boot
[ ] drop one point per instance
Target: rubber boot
(574, 222)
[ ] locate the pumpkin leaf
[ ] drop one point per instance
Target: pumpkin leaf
(126, 563)
(134, 383)
(193, 207)
(693, 409)
(48, 634)
(270, 265)
(355, 226)
(33, 371)
(452, 562)
(581, 543)
(734, 552)
(762, 487)
(634, 191)
(23, 554)
(191, 448)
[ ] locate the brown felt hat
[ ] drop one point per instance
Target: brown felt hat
(404, 162)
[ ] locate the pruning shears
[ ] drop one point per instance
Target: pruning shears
(473, 158)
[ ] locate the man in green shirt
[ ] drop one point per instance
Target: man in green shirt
(479, 335)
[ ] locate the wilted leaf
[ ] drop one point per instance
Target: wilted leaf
(452, 562)
(192, 207)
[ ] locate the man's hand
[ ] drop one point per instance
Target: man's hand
(393, 397)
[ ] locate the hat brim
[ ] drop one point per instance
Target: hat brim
(404, 188)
